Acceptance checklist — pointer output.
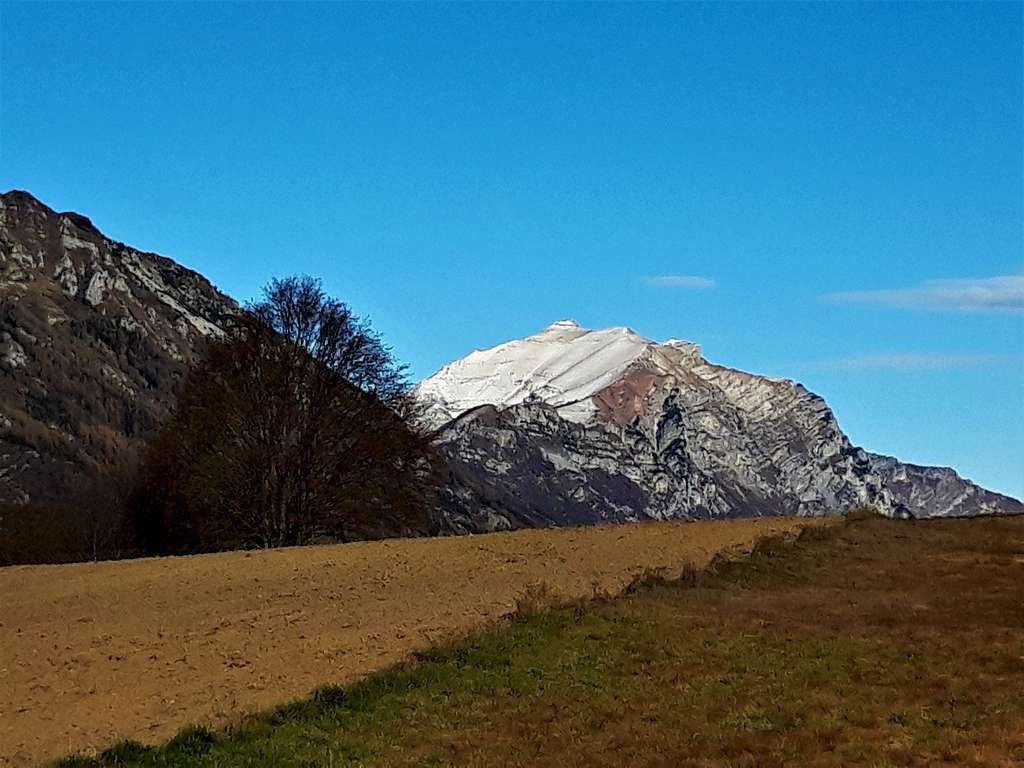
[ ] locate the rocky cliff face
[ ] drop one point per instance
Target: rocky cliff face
(94, 336)
(939, 491)
(573, 426)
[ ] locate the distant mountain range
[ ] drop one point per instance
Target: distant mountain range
(569, 426)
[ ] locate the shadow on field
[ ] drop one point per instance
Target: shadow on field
(870, 642)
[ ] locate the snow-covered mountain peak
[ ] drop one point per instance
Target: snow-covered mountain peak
(564, 365)
(606, 425)
(560, 326)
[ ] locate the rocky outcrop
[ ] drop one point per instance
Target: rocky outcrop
(94, 336)
(605, 426)
(939, 491)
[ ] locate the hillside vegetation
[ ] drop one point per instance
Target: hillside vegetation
(873, 643)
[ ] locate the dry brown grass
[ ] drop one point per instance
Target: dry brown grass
(878, 644)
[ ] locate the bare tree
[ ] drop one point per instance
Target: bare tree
(296, 425)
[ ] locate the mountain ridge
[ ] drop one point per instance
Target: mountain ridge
(662, 432)
(568, 426)
(94, 336)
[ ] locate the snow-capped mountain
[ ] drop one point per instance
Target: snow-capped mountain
(564, 366)
(575, 426)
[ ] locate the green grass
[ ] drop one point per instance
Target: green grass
(878, 643)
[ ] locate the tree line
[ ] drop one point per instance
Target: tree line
(297, 426)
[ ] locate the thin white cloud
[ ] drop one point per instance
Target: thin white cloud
(911, 362)
(1003, 293)
(691, 282)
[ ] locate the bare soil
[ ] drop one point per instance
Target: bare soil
(94, 653)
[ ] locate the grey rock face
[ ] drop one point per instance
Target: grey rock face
(677, 437)
(939, 491)
(525, 466)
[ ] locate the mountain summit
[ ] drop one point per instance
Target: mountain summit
(572, 426)
(564, 366)
(93, 337)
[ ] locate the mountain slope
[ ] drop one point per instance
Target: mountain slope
(93, 337)
(567, 426)
(571, 426)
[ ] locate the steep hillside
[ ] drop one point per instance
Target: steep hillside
(572, 426)
(93, 337)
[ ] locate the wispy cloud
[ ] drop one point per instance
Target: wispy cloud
(1004, 293)
(910, 362)
(691, 282)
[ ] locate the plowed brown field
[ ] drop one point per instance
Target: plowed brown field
(93, 653)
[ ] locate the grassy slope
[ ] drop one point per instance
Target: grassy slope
(872, 643)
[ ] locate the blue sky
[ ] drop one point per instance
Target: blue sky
(833, 193)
